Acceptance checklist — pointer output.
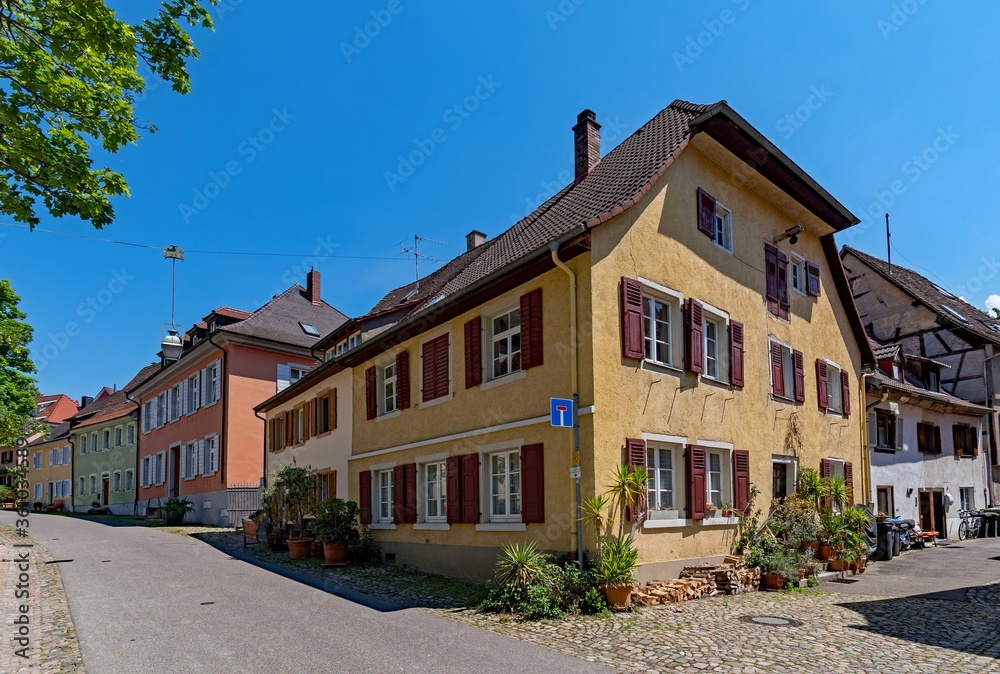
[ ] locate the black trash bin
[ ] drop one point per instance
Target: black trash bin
(897, 527)
(883, 551)
(988, 525)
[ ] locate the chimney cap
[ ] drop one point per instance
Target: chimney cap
(474, 239)
(587, 115)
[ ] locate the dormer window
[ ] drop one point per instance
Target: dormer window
(954, 313)
(211, 326)
(933, 381)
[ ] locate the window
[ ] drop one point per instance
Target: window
(211, 383)
(38, 491)
(330, 353)
(93, 484)
(715, 492)
(505, 486)
(783, 372)
(505, 343)
(174, 401)
(38, 461)
(384, 511)
(144, 472)
(885, 430)
(776, 279)
(885, 500)
(190, 460)
(435, 492)
(130, 434)
(661, 490)
(67, 488)
(798, 270)
(723, 227)
(191, 395)
(661, 322)
(967, 498)
(323, 414)
(147, 417)
(354, 340)
(211, 458)
(713, 354)
(129, 479)
(82, 441)
(295, 373)
(966, 440)
(309, 329)
(117, 481)
(784, 474)
(94, 447)
(82, 489)
(954, 313)
(279, 432)
(388, 398)
(106, 439)
(161, 410)
(300, 425)
(119, 436)
(835, 388)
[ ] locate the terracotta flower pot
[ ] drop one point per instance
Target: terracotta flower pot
(335, 553)
(317, 550)
(619, 596)
(839, 565)
(774, 581)
(299, 548)
(824, 552)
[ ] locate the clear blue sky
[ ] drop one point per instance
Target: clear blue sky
(873, 86)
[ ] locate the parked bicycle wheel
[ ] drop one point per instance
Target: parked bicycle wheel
(963, 530)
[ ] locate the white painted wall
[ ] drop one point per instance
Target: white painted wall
(329, 452)
(910, 469)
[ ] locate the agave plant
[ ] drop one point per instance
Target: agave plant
(522, 566)
(618, 562)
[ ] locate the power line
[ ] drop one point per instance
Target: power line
(198, 252)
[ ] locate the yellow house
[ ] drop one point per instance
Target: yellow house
(50, 469)
(686, 288)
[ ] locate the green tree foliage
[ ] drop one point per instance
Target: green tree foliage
(17, 387)
(69, 76)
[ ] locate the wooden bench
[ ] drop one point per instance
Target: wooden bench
(249, 532)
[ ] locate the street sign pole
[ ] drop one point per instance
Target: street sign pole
(576, 462)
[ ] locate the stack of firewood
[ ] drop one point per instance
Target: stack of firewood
(698, 582)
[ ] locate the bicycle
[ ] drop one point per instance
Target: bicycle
(970, 524)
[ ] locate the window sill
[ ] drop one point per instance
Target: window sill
(884, 450)
(206, 405)
(783, 401)
(390, 415)
(502, 526)
(712, 381)
(208, 474)
(500, 381)
(666, 524)
(436, 401)
(719, 521)
(381, 526)
(656, 366)
(432, 526)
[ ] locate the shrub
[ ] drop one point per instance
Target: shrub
(364, 549)
(7, 494)
(618, 562)
(523, 566)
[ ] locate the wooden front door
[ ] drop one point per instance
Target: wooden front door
(105, 488)
(926, 510)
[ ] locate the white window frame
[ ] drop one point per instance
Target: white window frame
(797, 272)
(174, 408)
(37, 461)
(793, 473)
(130, 434)
(147, 417)
(106, 439)
(510, 498)
(967, 503)
(67, 489)
(657, 482)
(723, 223)
(833, 387)
(210, 462)
(129, 480)
(82, 491)
(354, 340)
(39, 491)
(426, 499)
(116, 481)
(384, 495)
(507, 336)
(384, 381)
(725, 452)
(93, 442)
(81, 441)
(787, 370)
(720, 320)
(93, 484)
(190, 450)
(192, 397)
(119, 436)
(161, 410)
(654, 292)
(837, 469)
(212, 375)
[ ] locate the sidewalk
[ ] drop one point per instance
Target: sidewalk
(54, 646)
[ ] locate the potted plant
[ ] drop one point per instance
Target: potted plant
(729, 511)
(296, 487)
(615, 572)
(810, 486)
(337, 527)
(776, 568)
(174, 509)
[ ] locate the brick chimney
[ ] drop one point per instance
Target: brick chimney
(586, 144)
(474, 239)
(312, 287)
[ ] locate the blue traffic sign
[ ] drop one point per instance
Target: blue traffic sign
(561, 411)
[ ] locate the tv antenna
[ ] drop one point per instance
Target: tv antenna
(417, 255)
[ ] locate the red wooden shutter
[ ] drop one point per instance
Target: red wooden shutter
(845, 392)
(812, 279)
(771, 277)
(956, 434)
(937, 439)
(398, 495)
(736, 353)
(428, 383)
(473, 352)
(822, 386)
(532, 484)
(453, 476)
(849, 481)
(371, 407)
(741, 479)
(531, 329)
(403, 380)
(706, 213)
(410, 493)
(365, 496)
(435, 368)
(694, 336)
(470, 488)
(783, 303)
(632, 332)
(697, 476)
(635, 452)
(923, 438)
(777, 371)
(825, 471)
(800, 376)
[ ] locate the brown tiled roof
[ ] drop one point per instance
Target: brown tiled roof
(279, 319)
(884, 381)
(934, 297)
(58, 432)
(115, 405)
(229, 312)
(60, 407)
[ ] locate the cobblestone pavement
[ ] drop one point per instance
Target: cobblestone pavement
(986, 594)
(54, 645)
(828, 631)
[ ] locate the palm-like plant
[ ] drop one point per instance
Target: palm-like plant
(836, 490)
(810, 486)
(522, 566)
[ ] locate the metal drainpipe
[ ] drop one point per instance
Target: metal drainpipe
(264, 472)
(989, 403)
(866, 454)
(574, 384)
(138, 434)
(224, 401)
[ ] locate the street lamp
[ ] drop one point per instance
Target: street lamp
(172, 346)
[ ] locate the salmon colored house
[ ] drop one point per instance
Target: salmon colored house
(198, 434)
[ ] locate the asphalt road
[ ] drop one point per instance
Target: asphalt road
(943, 572)
(148, 601)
